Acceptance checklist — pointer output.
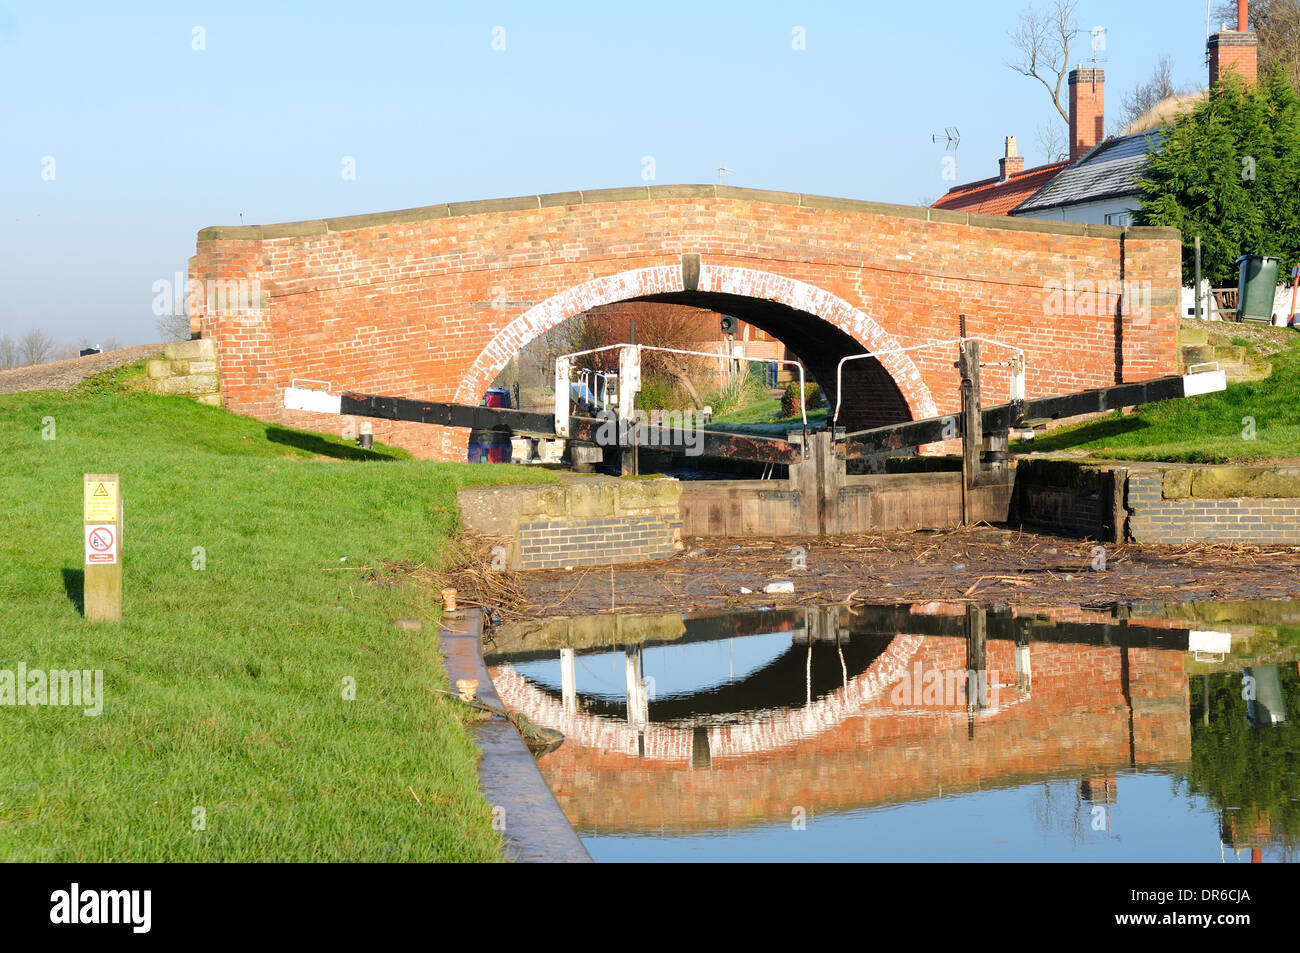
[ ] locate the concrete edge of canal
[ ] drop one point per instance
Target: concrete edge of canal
(536, 830)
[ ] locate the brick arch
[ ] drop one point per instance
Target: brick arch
(719, 279)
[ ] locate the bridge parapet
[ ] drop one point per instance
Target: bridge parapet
(432, 302)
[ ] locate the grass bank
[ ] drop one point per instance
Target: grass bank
(256, 590)
(1255, 420)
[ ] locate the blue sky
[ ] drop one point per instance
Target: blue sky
(152, 139)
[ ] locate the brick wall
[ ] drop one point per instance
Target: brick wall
(1156, 519)
(547, 543)
(1164, 505)
(432, 302)
(1060, 496)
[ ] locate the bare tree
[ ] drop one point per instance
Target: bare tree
(174, 327)
(8, 353)
(1053, 142)
(35, 347)
(540, 354)
(660, 325)
(1150, 93)
(1043, 40)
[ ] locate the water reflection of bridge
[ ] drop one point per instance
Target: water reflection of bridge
(1073, 694)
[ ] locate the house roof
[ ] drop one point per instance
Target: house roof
(1111, 169)
(996, 197)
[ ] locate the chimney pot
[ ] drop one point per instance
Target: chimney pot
(1012, 163)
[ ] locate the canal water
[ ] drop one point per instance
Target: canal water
(920, 732)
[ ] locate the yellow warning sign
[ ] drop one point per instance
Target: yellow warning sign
(101, 501)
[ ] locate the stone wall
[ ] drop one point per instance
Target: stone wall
(187, 368)
(876, 503)
(593, 521)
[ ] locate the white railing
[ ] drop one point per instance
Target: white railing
(1016, 365)
(629, 377)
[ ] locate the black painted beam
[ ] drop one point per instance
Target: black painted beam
(914, 433)
(583, 429)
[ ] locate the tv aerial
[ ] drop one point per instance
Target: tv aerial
(952, 138)
(1098, 45)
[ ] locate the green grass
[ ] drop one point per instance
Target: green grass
(223, 687)
(1207, 429)
(764, 410)
(764, 416)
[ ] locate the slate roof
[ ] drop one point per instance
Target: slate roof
(1111, 169)
(995, 197)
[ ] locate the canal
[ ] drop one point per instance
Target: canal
(921, 732)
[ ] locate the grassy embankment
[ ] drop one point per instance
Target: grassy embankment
(752, 409)
(223, 686)
(764, 416)
(1209, 429)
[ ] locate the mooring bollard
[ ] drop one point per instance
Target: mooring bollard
(102, 534)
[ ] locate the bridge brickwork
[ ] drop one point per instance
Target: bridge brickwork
(431, 303)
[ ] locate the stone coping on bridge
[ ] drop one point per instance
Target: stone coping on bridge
(326, 226)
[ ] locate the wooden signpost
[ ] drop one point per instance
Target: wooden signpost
(102, 537)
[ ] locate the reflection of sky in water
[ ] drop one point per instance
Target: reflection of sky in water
(676, 669)
(1153, 821)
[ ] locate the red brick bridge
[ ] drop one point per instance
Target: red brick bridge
(432, 302)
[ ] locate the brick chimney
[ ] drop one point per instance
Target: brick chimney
(1013, 163)
(1087, 110)
(1234, 51)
